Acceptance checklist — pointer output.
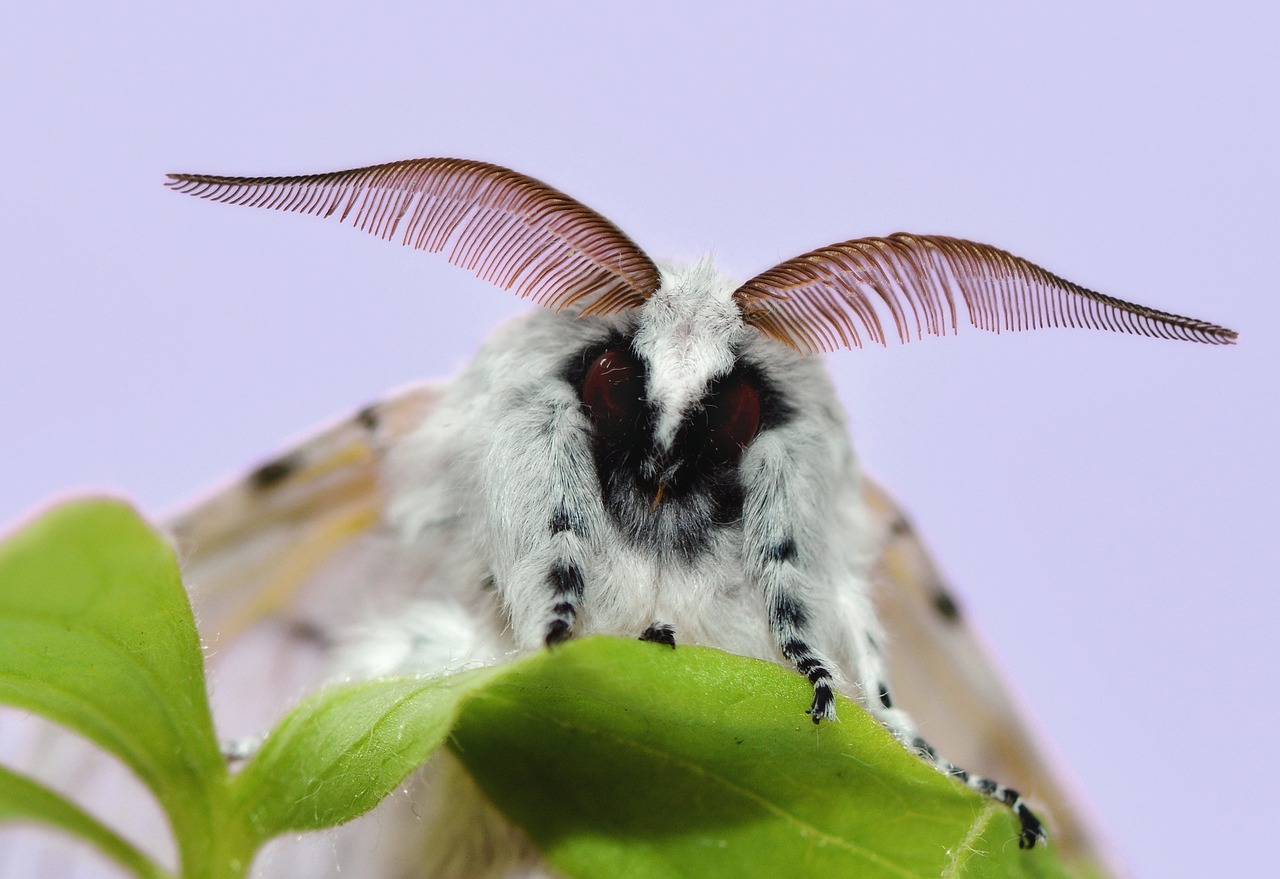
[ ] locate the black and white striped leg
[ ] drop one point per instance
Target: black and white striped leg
(872, 681)
(789, 621)
(816, 669)
(1031, 830)
(565, 580)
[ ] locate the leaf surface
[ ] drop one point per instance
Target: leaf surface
(96, 634)
(624, 759)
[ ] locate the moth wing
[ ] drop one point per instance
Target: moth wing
(252, 555)
(945, 677)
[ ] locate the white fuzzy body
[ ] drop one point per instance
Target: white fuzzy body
(478, 481)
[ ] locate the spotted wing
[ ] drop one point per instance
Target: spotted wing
(944, 676)
(837, 296)
(247, 551)
(509, 229)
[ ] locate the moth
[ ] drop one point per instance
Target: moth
(657, 452)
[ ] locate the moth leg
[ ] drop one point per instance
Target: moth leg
(565, 578)
(660, 633)
(789, 622)
(771, 508)
(1031, 829)
(872, 681)
(542, 485)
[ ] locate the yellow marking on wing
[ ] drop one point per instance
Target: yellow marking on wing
(299, 562)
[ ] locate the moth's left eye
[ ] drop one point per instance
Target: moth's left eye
(614, 390)
(733, 418)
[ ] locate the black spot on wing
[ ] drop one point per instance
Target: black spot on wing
(368, 418)
(272, 473)
(946, 606)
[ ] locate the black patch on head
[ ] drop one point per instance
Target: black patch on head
(566, 580)
(368, 418)
(660, 633)
(946, 606)
(274, 472)
(786, 611)
(884, 696)
(701, 491)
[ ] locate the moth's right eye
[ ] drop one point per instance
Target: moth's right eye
(614, 390)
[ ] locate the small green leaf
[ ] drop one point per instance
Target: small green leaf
(624, 759)
(96, 634)
(23, 799)
(344, 749)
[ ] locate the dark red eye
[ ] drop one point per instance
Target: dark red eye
(733, 418)
(614, 390)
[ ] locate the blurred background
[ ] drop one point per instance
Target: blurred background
(1106, 505)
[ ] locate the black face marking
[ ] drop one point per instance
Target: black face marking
(668, 501)
(884, 696)
(274, 472)
(660, 633)
(946, 606)
(368, 418)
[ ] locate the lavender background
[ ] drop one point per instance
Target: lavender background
(1106, 504)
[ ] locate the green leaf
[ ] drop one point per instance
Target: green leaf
(344, 749)
(23, 799)
(624, 759)
(96, 634)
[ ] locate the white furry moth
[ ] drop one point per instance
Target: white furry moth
(654, 454)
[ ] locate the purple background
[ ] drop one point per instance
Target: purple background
(1105, 504)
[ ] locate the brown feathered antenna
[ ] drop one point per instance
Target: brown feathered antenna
(832, 297)
(507, 228)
